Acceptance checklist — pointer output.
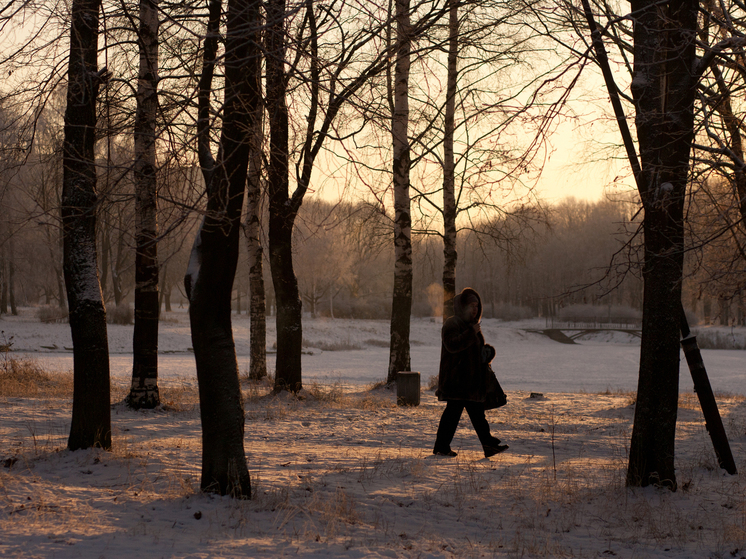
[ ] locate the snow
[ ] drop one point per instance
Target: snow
(524, 361)
(347, 473)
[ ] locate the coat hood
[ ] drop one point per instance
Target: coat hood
(459, 303)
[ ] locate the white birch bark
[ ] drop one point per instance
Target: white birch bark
(450, 255)
(399, 358)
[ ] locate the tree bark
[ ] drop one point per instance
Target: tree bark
(212, 267)
(450, 256)
(105, 252)
(3, 280)
(91, 415)
(257, 297)
(401, 307)
(144, 388)
(663, 88)
(281, 212)
(12, 277)
(117, 264)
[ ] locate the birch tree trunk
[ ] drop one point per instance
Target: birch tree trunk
(450, 256)
(663, 88)
(281, 212)
(401, 307)
(212, 267)
(144, 387)
(91, 415)
(257, 304)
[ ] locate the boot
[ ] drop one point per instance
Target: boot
(444, 452)
(492, 450)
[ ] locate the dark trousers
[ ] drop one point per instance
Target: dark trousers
(449, 423)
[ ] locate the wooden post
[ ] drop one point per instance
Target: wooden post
(702, 387)
(408, 388)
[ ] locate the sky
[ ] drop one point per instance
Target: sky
(582, 159)
(569, 171)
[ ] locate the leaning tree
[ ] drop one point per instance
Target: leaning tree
(212, 266)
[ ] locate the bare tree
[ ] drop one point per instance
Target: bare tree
(328, 77)
(401, 304)
(450, 256)
(144, 389)
(212, 267)
(91, 416)
(282, 207)
(252, 230)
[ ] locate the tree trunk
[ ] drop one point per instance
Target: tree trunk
(287, 297)
(117, 264)
(91, 415)
(11, 277)
(257, 301)
(450, 255)
(61, 293)
(212, 267)
(144, 388)
(3, 280)
(663, 88)
(401, 307)
(281, 212)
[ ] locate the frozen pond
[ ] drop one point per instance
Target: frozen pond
(524, 361)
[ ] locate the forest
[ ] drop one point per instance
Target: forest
(289, 159)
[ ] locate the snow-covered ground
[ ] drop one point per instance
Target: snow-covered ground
(525, 361)
(347, 473)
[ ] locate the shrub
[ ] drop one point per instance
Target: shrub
(432, 382)
(599, 313)
(506, 311)
(121, 314)
(333, 345)
(423, 309)
(718, 339)
(50, 314)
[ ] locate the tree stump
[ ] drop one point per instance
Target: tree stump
(408, 388)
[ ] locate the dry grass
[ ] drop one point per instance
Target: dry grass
(25, 378)
(179, 398)
(366, 489)
(327, 393)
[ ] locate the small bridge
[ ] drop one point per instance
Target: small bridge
(559, 335)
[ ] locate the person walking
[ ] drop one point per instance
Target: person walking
(465, 379)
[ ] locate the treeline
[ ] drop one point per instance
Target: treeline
(574, 252)
(570, 253)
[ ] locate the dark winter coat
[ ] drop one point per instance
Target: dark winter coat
(462, 374)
